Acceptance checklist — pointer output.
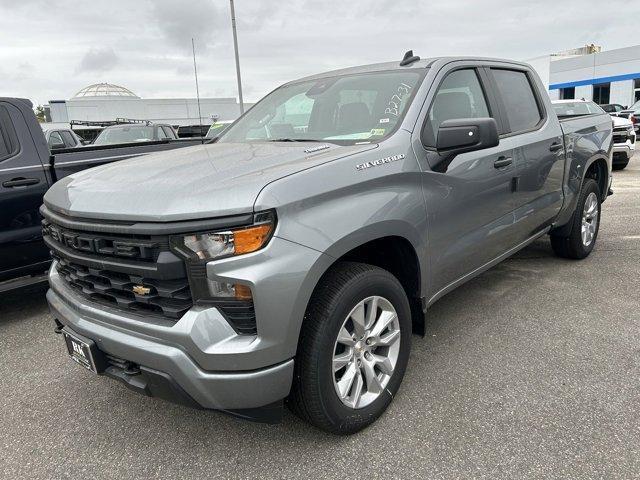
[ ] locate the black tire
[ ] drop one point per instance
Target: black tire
(313, 395)
(621, 165)
(572, 246)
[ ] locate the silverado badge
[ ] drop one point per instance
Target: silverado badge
(141, 290)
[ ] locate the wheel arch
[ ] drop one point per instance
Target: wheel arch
(398, 253)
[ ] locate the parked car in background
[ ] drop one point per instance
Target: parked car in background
(217, 128)
(624, 136)
(62, 138)
(633, 114)
(135, 133)
(624, 142)
(27, 169)
(190, 131)
(294, 257)
(613, 108)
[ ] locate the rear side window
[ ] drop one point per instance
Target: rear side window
(8, 138)
(69, 141)
(523, 112)
(459, 96)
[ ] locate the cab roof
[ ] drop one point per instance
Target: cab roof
(422, 63)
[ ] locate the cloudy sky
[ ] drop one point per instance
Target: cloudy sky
(49, 49)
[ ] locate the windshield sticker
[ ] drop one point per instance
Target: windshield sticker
(393, 107)
(377, 132)
(384, 120)
(380, 161)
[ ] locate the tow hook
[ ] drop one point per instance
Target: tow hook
(58, 329)
(131, 369)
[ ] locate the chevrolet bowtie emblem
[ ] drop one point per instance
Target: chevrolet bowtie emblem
(141, 289)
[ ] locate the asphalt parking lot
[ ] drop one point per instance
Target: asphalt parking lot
(530, 371)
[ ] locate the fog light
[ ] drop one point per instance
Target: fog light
(225, 290)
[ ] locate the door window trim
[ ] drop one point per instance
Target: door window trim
(503, 110)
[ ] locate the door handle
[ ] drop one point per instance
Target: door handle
(20, 182)
(555, 146)
(503, 162)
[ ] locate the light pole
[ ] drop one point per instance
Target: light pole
(235, 47)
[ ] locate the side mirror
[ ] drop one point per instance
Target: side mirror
(463, 135)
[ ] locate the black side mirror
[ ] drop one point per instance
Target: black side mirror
(463, 135)
(56, 146)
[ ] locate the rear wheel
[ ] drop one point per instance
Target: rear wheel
(586, 223)
(354, 348)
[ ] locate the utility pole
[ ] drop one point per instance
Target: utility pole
(235, 47)
(195, 71)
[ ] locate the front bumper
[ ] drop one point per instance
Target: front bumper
(625, 149)
(214, 390)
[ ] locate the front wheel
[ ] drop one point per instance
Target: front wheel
(621, 164)
(354, 348)
(586, 224)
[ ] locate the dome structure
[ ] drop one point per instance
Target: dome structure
(104, 90)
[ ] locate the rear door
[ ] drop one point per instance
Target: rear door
(538, 152)
(22, 185)
(470, 205)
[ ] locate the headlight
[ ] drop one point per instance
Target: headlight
(206, 246)
(630, 129)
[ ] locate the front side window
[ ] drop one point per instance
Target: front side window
(518, 98)
(125, 134)
(346, 109)
(460, 96)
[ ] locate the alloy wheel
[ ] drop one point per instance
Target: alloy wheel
(366, 352)
(589, 219)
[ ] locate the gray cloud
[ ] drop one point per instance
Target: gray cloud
(178, 22)
(98, 60)
(146, 45)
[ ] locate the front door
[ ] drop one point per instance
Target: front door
(22, 186)
(470, 205)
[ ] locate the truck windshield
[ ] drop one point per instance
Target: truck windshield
(125, 134)
(346, 109)
(575, 109)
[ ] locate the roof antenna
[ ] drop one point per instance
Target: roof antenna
(409, 58)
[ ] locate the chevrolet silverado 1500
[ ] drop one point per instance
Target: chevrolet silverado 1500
(294, 257)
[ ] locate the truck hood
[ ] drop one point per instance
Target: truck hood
(621, 122)
(190, 183)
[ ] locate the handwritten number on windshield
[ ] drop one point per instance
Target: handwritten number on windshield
(393, 107)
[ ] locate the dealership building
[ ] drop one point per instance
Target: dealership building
(611, 76)
(107, 102)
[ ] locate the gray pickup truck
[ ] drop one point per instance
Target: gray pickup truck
(293, 258)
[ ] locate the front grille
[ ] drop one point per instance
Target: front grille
(135, 273)
(133, 247)
(168, 298)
